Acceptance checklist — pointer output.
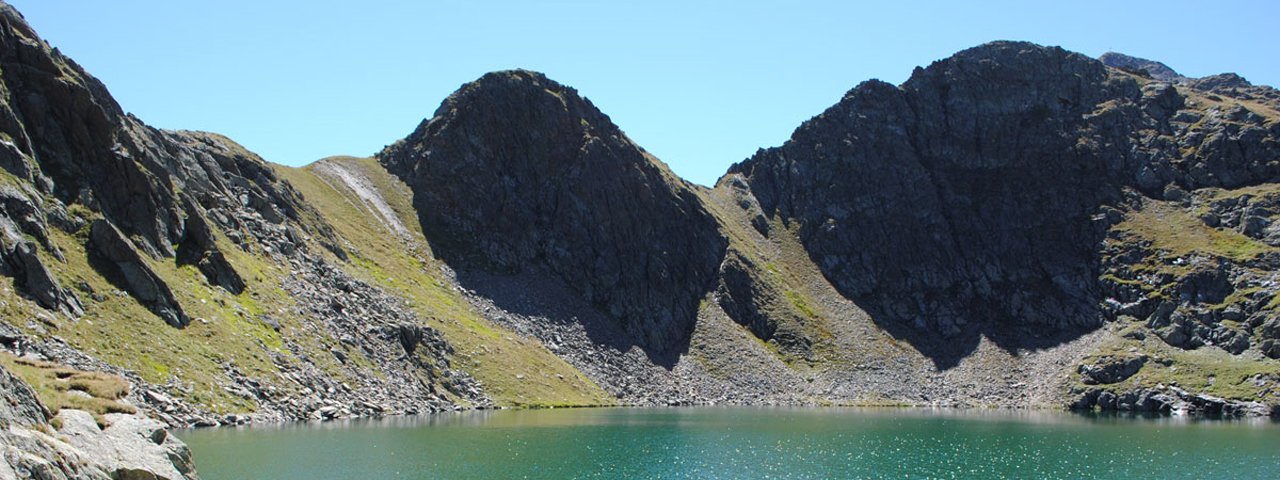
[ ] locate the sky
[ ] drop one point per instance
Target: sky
(700, 84)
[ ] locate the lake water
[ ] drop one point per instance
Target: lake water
(710, 443)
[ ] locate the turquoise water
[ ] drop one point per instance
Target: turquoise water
(735, 443)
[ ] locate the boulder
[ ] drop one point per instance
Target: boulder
(130, 447)
(36, 280)
(1108, 370)
(199, 248)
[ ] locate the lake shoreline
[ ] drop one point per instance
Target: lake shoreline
(742, 442)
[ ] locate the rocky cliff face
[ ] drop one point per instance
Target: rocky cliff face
(66, 143)
(517, 172)
(963, 201)
(976, 196)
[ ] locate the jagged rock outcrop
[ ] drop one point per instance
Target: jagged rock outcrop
(1229, 84)
(116, 257)
(33, 277)
(516, 172)
(1166, 400)
(159, 188)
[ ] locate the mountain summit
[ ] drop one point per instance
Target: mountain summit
(517, 172)
(979, 196)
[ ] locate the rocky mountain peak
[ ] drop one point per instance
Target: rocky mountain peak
(1154, 69)
(518, 173)
(968, 198)
(522, 91)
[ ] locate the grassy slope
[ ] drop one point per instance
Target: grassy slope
(842, 339)
(514, 371)
(122, 332)
(1206, 370)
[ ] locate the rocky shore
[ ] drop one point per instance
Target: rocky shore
(73, 444)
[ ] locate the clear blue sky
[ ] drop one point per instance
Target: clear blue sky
(699, 84)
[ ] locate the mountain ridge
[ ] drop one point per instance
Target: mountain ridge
(1014, 225)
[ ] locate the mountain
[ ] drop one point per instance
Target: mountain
(1026, 195)
(1015, 225)
(518, 172)
(972, 209)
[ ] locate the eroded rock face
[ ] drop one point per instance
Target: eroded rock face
(517, 172)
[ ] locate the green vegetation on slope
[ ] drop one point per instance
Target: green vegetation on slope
(119, 330)
(514, 371)
(1172, 234)
(1177, 233)
(1204, 370)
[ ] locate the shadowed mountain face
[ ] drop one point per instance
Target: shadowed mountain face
(518, 173)
(973, 199)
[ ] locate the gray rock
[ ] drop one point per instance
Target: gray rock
(34, 278)
(120, 262)
(1112, 370)
(1151, 68)
(1270, 348)
(131, 447)
(199, 248)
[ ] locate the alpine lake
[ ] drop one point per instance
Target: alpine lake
(747, 443)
